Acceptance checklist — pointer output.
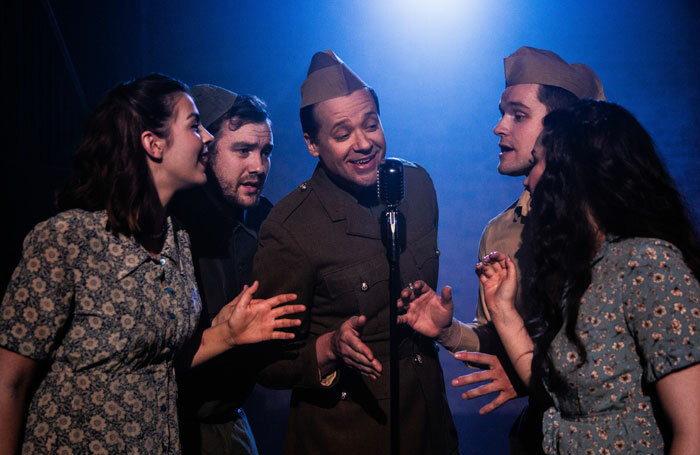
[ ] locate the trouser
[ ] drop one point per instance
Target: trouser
(232, 437)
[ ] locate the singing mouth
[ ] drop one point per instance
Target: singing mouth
(363, 161)
(505, 148)
(203, 156)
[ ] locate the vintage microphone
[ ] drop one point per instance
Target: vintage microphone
(390, 189)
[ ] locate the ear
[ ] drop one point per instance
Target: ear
(311, 145)
(153, 144)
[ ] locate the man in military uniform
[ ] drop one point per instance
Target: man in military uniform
(324, 243)
(223, 218)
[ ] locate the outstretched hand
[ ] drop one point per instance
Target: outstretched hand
(254, 320)
(348, 348)
(426, 313)
(496, 376)
(498, 277)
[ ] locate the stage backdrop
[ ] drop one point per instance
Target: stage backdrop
(437, 67)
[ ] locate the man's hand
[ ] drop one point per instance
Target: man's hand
(348, 348)
(496, 375)
(426, 313)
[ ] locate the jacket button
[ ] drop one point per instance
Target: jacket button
(344, 395)
(303, 186)
(364, 287)
(417, 358)
(162, 261)
(437, 252)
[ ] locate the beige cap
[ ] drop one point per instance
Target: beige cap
(212, 102)
(528, 65)
(328, 77)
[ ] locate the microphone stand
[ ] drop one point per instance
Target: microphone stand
(390, 189)
(393, 252)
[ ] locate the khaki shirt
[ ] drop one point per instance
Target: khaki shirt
(502, 234)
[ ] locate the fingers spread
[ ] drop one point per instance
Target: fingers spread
(477, 357)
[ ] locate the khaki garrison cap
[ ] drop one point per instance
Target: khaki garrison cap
(328, 77)
(528, 65)
(212, 102)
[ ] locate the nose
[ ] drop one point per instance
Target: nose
(207, 138)
(362, 142)
(500, 128)
(256, 163)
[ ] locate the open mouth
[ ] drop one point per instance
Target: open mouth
(363, 162)
(251, 186)
(203, 156)
(505, 148)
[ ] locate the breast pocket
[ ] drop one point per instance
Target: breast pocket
(425, 255)
(362, 288)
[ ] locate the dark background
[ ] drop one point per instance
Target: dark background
(437, 67)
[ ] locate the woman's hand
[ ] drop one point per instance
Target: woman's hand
(498, 278)
(251, 320)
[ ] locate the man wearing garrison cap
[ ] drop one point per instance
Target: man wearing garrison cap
(222, 218)
(323, 242)
(537, 82)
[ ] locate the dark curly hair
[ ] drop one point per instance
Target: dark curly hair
(110, 171)
(602, 170)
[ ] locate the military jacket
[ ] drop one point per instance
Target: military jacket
(325, 245)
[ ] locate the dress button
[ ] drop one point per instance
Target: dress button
(162, 261)
(163, 408)
(170, 290)
(172, 315)
(364, 287)
(344, 395)
(437, 252)
(303, 186)
(417, 358)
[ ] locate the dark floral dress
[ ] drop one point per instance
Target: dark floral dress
(639, 322)
(106, 319)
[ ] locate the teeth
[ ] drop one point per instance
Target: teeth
(365, 161)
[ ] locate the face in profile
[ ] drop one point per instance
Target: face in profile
(185, 153)
(241, 161)
(538, 165)
(350, 141)
(520, 125)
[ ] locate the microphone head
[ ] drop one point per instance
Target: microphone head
(390, 184)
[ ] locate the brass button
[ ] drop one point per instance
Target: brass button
(364, 286)
(437, 252)
(417, 358)
(303, 186)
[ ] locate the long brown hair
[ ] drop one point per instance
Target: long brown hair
(110, 171)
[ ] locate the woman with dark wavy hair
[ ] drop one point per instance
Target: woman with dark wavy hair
(616, 289)
(103, 303)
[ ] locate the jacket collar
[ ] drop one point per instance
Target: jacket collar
(362, 216)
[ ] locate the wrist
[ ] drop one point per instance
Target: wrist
(450, 334)
(325, 356)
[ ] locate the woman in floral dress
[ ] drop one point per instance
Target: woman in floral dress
(616, 288)
(100, 309)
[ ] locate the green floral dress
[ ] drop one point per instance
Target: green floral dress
(639, 322)
(106, 319)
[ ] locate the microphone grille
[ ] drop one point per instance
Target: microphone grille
(390, 183)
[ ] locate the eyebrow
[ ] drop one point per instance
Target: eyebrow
(193, 114)
(518, 104)
(245, 144)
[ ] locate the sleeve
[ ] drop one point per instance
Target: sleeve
(39, 298)
(663, 309)
(281, 266)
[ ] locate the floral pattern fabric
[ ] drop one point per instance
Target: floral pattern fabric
(639, 322)
(106, 319)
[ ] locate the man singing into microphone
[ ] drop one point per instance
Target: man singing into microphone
(323, 242)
